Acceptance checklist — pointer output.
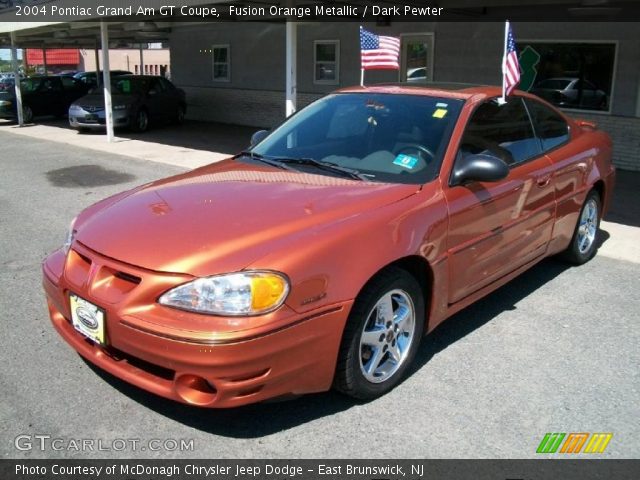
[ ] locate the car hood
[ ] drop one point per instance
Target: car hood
(223, 217)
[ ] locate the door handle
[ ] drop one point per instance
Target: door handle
(543, 181)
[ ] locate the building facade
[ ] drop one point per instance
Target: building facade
(155, 61)
(235, 72)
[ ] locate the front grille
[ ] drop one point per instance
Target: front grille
(127, 277)
(92, 109)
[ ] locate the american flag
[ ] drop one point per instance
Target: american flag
(378, 52)
(510, 65)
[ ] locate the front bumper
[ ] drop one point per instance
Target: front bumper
(81, 118)
(8, 112)
(175, 354)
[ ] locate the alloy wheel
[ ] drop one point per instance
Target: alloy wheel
(588, 226)
(387, 336)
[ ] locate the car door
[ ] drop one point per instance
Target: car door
(497, 227)
(159, 104)
(48, 97)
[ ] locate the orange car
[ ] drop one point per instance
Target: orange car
(322, 255)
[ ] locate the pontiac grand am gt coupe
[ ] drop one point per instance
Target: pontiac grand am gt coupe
(323, 254)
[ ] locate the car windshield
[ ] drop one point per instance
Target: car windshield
(125, 86)
(394, 138)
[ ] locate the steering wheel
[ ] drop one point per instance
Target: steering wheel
(419, 148)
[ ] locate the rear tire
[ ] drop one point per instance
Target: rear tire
(27, 114)
(180, 114)
(583, 244)
(382, 335)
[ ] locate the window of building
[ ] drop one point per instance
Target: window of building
(326, 61)
(221, 63)
(504, 131)
(551, 128)
(574, 75)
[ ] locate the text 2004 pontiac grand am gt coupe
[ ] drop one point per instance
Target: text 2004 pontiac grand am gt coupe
(322, 255)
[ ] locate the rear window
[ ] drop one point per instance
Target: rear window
(550, 127)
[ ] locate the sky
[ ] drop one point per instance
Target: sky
(5, 54)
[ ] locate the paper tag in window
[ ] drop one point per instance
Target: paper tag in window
(406, 161)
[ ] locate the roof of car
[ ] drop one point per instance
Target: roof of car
(432, 89)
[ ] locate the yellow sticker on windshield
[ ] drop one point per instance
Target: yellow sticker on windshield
(440, 113)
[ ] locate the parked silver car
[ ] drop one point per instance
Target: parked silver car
(138, 101)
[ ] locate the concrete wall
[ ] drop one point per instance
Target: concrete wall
(463, 52)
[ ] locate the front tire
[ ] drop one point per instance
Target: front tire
(180, 115)
(382, 335)
(583, 244)
(27, 114)
(141, 121)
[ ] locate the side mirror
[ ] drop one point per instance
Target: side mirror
(480, 168)
(257, 137)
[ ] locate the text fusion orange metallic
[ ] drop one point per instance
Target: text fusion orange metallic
(321, 256)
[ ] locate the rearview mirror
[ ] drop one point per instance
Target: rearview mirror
(257, 137)
(479, 168)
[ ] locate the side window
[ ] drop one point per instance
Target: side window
(51, 85)
(504, 131)
(157, 86)
(326, 57)
(68, 82)
(221, 63)
(167, 84)
(550, 127)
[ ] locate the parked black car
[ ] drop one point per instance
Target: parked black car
(46, 95)
(137, 100)
(90, 77)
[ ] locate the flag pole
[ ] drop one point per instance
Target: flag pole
(503, 99)
(362, 77)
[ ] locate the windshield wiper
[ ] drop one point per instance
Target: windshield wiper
(261, 158)
(332, 167)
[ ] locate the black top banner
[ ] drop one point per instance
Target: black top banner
(381, 11)
(578, 469)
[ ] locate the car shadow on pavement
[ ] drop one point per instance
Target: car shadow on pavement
(250, 421)
(205, 136)
(258, 420)
(486, 309)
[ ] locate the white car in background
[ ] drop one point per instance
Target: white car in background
(571, 92)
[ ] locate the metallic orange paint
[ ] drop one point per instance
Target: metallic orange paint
(328, 235)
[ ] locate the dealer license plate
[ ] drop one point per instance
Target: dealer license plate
(87, 318)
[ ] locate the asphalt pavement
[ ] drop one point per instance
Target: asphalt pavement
(556, 350)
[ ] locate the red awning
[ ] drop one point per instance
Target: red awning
(54, 56)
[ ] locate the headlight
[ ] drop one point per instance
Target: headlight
(5, 103)
(119, 107)
(74, 107)
(243, 293)
(70, 235)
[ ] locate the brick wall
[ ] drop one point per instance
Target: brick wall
(255, 108)
(625, 133)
